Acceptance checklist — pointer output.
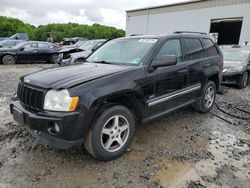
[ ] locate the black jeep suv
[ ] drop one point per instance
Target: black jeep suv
(127, 81)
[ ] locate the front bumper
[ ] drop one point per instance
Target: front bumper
(39, 124)
(231, 77)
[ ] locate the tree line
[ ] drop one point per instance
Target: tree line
(10, 26)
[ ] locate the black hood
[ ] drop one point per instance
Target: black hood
(69, 76)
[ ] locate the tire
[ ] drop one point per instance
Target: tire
(208, 95)
(54, 58)
(9, 60)
(102, 139)
(243, 81)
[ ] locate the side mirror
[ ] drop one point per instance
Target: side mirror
(164, 61)
(22, 49)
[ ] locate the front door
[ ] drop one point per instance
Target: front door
(169, 83)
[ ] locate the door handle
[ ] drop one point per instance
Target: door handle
(207, 65)
(182, 71)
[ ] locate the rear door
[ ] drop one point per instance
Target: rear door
(43, 52)
(194, 58)
(168, 82)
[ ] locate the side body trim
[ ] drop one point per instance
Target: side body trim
(172, 95)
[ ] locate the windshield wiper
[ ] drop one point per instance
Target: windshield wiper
(103, 62)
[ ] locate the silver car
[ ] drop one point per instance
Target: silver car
(236, 65)
(79, 55)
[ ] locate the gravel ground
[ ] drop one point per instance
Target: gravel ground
(183, 149)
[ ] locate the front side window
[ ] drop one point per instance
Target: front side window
(171, 48)
(123, 51)
(193, 49)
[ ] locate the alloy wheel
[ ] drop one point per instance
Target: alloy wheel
(115, 133)
(209, 96)
(9, 60)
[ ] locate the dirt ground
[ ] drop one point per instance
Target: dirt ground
(183, 149)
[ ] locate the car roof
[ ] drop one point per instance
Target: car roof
(181, 34)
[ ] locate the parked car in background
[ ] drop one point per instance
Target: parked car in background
(17, 36)
(76, 45)
(29, 52)
(236, 65)
(9, 43)
(71, 41)
(125, 82)
(78, 54)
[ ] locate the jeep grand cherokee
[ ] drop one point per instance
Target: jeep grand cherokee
(127, 81)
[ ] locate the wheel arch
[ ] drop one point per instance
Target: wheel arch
(126, 99)
(215, 78)
(1, 58)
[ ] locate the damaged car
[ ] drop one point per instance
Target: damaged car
(78, 54)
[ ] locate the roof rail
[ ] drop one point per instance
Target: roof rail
(179, 32)
(133, 35)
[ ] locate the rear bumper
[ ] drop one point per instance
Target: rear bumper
(40, 125)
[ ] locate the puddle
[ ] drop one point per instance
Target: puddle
(227, 154)
(171, 172)
(3, 99)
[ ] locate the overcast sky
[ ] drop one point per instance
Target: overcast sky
(107, 12)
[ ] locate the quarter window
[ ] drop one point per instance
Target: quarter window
(210, 48)
(171, 48)
(192, 49)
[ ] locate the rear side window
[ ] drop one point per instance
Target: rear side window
(210, 47)
(192, 49)
(171, 47)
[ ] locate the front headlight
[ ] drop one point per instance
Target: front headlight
(60, 56)
(234, 69)
(60, 101)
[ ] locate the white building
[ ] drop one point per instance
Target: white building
(229, 20)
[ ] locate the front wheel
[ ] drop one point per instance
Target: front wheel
(111, 134)
(243, 81)
(9, 60)
(208, 94)
(54, 58)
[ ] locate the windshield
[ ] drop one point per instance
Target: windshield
(235, 55)
(89, 45)
(19, 45)
(123, 51)
(79, 43)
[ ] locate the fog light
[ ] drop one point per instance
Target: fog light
(57, 128)
(54, 128)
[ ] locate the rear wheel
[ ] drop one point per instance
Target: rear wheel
(111, 134)
(208, 94)
(243, 81)
(9, 60)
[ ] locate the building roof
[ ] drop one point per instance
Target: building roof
(186, 5)
(166, 5)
